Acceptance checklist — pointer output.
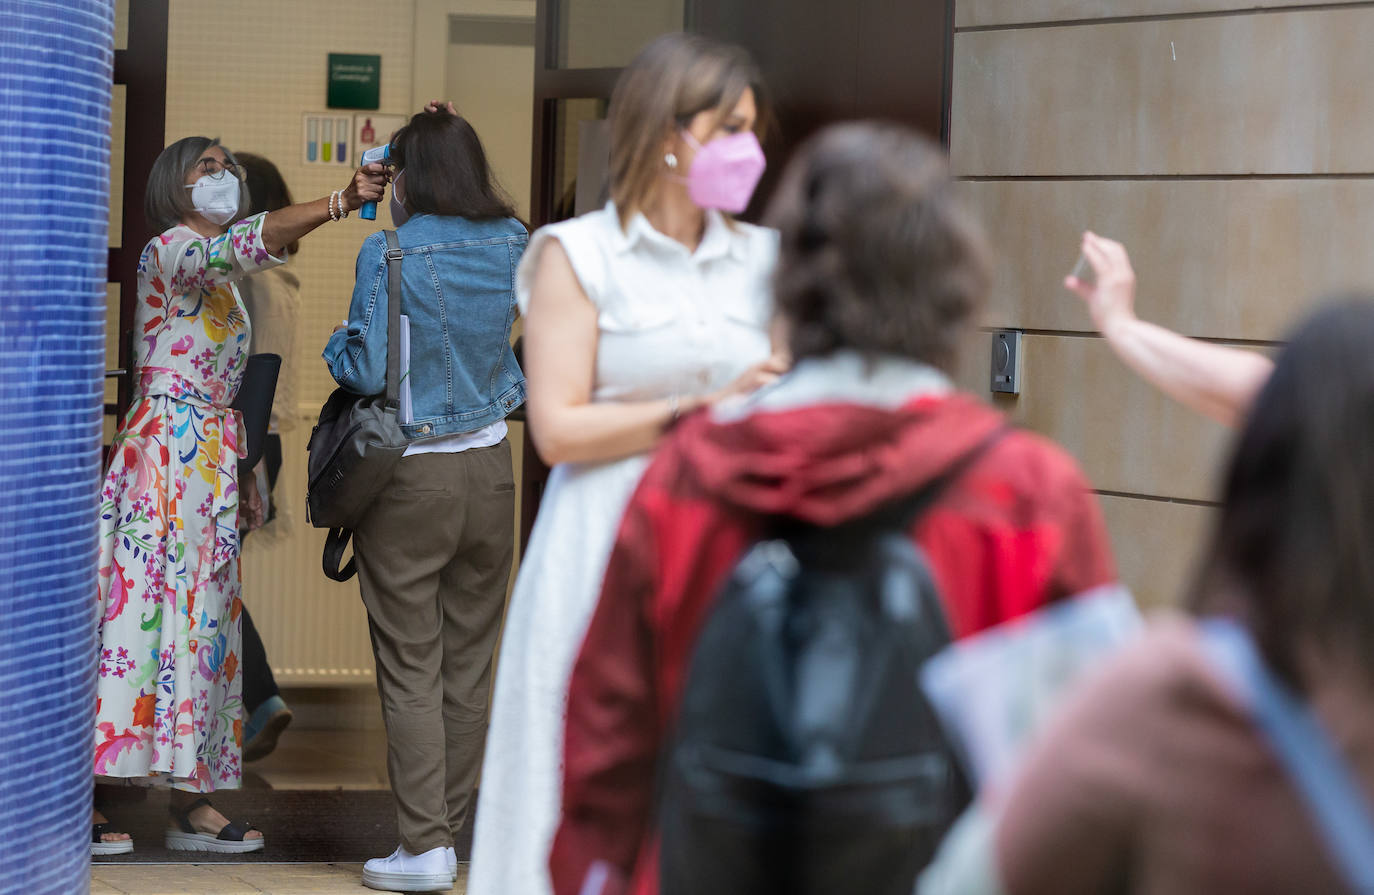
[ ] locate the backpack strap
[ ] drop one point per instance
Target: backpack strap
(394, 256)
(905, 511)
(896, 515)
(335, 543)
(835, 545)
(1323, 779)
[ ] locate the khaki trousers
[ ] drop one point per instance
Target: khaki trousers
(434, 559)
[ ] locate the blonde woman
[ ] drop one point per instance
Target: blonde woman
(652, 307)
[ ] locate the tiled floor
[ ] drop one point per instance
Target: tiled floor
(237, 879)
(304, 759)
(323, 759)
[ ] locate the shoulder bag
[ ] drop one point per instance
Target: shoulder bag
(357, 442)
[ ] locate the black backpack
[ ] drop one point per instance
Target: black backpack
(805, 757)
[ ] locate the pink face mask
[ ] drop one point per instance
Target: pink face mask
(725, 171)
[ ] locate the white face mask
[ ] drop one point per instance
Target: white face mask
(217, 197)
(399, 215)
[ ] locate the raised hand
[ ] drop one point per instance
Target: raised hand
(1111, 299)
(368, 185)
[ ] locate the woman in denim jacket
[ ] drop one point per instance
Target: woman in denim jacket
(434, 551)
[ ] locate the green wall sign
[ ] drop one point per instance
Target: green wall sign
(355, 82)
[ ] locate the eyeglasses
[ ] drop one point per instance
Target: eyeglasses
(211, 167)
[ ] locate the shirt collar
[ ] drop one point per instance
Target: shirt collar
(719, 239)
(845, 377)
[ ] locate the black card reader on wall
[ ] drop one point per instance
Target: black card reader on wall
(1006, 361)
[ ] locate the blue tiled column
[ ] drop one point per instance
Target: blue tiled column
(55, 76)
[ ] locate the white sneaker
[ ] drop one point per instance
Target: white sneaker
(404, 872)
(452, 863)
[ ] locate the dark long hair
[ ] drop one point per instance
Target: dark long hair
(1292, 555)
(446, 169)
(267, 189)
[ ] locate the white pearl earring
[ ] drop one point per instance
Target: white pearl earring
(671, 161)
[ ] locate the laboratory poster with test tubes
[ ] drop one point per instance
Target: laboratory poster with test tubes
(327, 139)
(371, 129)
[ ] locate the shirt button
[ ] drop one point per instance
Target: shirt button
(424, 430)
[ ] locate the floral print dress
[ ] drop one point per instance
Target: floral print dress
(169, 706)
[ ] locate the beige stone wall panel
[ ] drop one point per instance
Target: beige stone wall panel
(1128, 437)
(1233, 259)
(1284, 93)
(1158, 546)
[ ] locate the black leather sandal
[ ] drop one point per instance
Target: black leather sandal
(100, 847)
(229, 841)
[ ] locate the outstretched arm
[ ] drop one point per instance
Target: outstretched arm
(1215, 380)
(286, 225)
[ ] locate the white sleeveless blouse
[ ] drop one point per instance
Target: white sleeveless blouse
(669, 322)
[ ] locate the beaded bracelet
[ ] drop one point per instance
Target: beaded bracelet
(336, 210)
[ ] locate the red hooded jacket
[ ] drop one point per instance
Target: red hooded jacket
(1017, 529)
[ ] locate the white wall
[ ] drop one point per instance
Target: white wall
(492, 85)
(246, 72)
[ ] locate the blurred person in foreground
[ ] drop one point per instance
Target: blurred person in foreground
(881, 272)
(1155, 778)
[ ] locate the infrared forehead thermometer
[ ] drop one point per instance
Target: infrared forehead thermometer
(374, 155)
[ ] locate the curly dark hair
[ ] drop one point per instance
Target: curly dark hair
(877, 255)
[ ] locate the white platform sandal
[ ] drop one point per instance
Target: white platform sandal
(231, 839)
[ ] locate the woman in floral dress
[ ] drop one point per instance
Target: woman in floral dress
(169, 709)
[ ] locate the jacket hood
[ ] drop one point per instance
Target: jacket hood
(834, 460)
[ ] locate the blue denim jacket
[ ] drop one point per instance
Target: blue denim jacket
(458, 289)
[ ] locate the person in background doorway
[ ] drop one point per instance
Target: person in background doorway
(1215, 380)
(434, 551)
(881, 272)
(1155, 778)
(273, 304)
(169, 708)
(654, 306)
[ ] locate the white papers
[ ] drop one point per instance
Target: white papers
(995, 689)
(405, 415)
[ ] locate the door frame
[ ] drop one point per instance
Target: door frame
(142, 68)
